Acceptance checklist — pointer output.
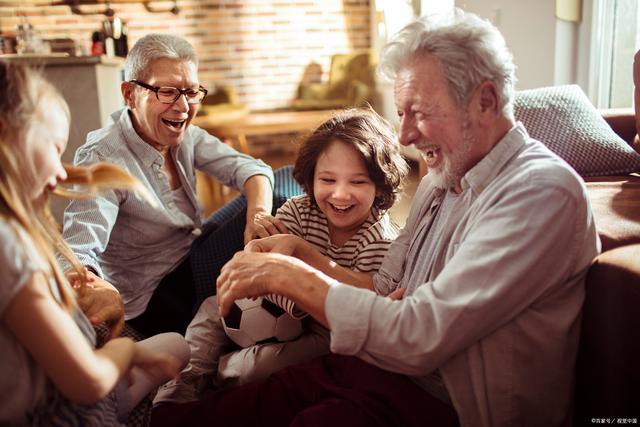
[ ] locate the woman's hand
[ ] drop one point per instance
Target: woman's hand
(261, 224)
(75, 279)
(101, 303)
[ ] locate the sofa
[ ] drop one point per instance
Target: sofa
(222, 104)
(608, 371)
(351, 83)
(599, 146)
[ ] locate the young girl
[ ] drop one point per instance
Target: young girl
(51, 373)
(351, 171)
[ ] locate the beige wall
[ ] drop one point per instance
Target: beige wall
(261, 47)
(529, 27)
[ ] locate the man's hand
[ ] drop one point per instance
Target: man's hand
(250, 275)
(101, 303)
(261, 224)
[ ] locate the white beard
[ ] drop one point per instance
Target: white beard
(449, 174)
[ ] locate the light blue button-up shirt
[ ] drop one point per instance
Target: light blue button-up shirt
(129, 242)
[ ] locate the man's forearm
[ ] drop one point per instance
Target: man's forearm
(308, 290)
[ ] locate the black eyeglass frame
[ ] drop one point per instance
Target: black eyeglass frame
(180, 92)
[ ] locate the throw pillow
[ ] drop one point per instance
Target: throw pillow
(563, 118)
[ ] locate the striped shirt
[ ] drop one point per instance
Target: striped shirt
(363, 252)
(126, 240)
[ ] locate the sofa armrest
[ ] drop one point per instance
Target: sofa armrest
(608, 373)
(313, 91)
(623, 122)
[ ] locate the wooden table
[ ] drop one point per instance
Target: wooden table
(257, 124)
(236, 130)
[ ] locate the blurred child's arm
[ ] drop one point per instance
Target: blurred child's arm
(52, 338)
(303, 250)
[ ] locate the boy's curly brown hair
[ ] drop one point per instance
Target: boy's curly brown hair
(372, 137)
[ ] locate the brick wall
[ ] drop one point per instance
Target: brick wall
(260, 47)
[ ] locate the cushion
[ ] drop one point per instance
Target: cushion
(563, 118)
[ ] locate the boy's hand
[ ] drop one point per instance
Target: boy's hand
(285, 244)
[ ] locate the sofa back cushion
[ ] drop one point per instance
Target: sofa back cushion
(563, 118)
(615, 202)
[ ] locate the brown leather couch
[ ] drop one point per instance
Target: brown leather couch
(608, 366)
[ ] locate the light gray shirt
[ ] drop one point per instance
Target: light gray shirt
(497, 309)
(129, 242)
(23, 388)
(23, 381)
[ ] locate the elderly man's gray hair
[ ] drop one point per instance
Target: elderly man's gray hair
(470, 49)
(156, 46)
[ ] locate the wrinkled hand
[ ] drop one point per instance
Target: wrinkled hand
(251, 275)
(261, 224)
(285, 244)
(101, 303)
(158, 365)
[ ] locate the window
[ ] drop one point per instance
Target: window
(615, 38)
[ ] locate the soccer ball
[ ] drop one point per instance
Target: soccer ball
(259, 321)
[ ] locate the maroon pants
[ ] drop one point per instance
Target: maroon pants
(328, 391)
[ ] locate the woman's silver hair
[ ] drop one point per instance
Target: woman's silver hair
(470, 49)
(156, 46)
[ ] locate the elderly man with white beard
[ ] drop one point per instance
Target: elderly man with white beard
(492, 261)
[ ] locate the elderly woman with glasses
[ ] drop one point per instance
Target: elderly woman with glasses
(161, 259)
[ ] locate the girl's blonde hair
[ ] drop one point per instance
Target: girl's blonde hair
(21, 105)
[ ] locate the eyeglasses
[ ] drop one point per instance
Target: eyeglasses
(169, 95)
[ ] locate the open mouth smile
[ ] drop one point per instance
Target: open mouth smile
(176, 124)
(431, 154)
(341, 208)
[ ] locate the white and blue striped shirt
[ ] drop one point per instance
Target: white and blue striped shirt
(363, 252)
(125, 239)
